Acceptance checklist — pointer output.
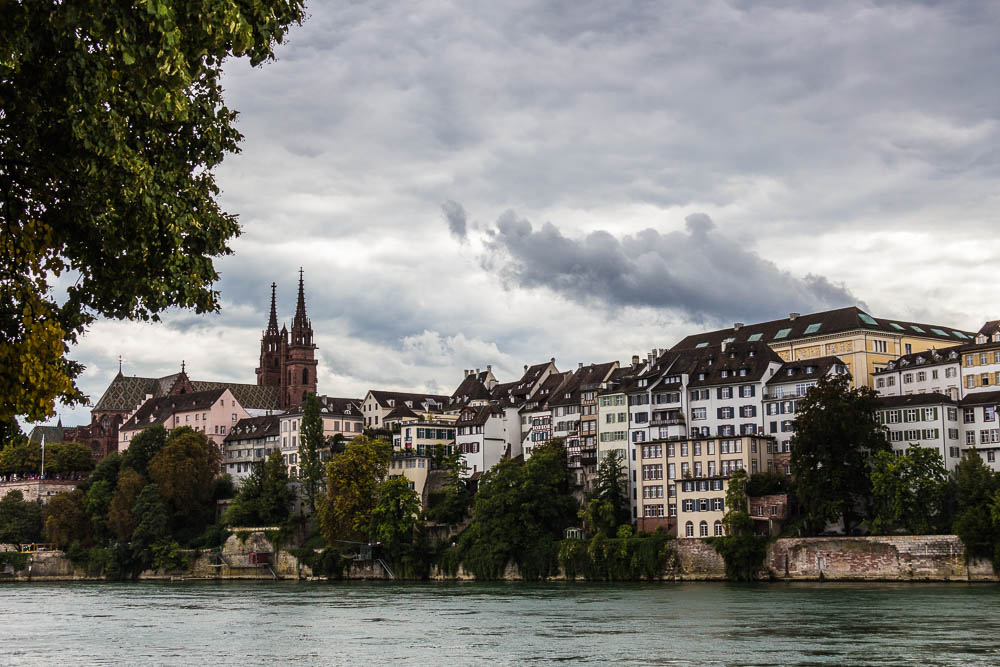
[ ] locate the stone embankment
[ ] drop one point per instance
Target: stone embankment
(901, 558)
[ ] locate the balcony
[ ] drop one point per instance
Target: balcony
(667, 421)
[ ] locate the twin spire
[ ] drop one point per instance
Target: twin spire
(301, 327)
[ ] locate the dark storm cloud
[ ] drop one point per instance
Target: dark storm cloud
(455, 215)
(699, 272)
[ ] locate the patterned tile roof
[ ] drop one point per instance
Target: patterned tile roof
(51, 433)
(250, 396)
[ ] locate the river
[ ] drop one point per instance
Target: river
(469, 623)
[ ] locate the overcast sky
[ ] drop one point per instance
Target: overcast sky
(471, 183)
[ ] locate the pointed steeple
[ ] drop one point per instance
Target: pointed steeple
(272, 322)
(300, 321)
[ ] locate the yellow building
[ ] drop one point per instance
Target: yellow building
(864, 343)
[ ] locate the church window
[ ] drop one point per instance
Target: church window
(305, 377)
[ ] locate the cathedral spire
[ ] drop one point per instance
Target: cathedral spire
(300, 321)
(272, 323)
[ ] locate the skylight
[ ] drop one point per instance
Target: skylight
(782, 334)
(813, 328)
(939, 332)
(729, 340)
(959, 334)
(917, 329)
(867, 319)
(897, 327)
(702, 345)
(755, 336)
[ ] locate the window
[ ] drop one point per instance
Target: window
(989, 413)
(689, 529)
(747, 391)
(699, 413)
(782, 333)
(724, 392)
(718, 529)
(969, 415)
(703, 529)
(652, 471)
(653, 510)
(813, 328)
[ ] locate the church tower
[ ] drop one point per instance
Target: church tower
(271, 358)
(299, 378)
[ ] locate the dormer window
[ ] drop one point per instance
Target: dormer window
(701, 376)
(810, 369)
(996, 337)
(980, 339)
(724, 374)
(743, 372)
(790, 371)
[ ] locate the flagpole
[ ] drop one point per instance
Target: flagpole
(43, 455)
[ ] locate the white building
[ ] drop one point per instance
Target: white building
(924, 420)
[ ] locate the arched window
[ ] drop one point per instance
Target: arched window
(689, 529)
(703, 529)
(305, 376)
(718, 529)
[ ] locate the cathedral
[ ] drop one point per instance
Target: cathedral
(288, 363)
(286, 375)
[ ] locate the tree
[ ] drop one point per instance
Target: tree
(144, 446)
(519, 514)
(908, 491)
(836, 433)
(20, 520)
(743, 552)
(310, 443)
(70, 457)
(451, 503)
(184, 471)
(152, 524)
(264, 495)
(352, 482)
(608, 508)
(66, 519)
(96, 503)
(121, 518)
(21, 457)
(976, 487)
(112, 121)
(395, 514)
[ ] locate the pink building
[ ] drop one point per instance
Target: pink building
(213, 413)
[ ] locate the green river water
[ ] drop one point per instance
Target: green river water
(461, 624)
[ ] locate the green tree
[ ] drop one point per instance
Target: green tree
(70, 457)
(451, 503)
(107, 469)
(184, 472)
(743, 552)
(976, 487)
(908, 491)
(144, 446)
(395, 514)
(836, 434)
(96, 504)
(152, 525)
(519, 514)
(112, 122)
(608, 507)
(121, 519)
(66, 519)
(20, 520)
(352, 482)
(264, 495)
(20, 457)
(310, 444)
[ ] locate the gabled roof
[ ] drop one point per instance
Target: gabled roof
(126, 393)
(718, 366)
(158, 410)
(471, 388)
(989, 328)
(914, 400)
(400, 412)
(828, 322)
(807, 369)
(932, 357)
(981, 398)
(480, 415)
(532, 374)
(254, 428)
(585, 378)
(51, 433)
(383, 397)
(331, 406)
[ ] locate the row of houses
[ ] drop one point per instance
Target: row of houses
(682, 419)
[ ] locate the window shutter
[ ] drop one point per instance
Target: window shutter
(753, 390)
(935, 414)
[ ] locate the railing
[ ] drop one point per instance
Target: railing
(668, 421)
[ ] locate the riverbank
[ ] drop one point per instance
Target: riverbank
(938, 558)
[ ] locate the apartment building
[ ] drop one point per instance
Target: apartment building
(780, 402)
(425, 436)
(250, 442)
(485, 434)
(929, 420)
(212, 412)
(683, 482)
(932, 371)
(980, 426)
(340, 416)
(378, 404)
(864, 343)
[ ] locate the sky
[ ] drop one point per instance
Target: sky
(472, 183)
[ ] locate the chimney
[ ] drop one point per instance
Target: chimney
(477, 371)
(737, 326)
(553, 360)
(489, 367)
(526, 368)
(723, 346)
(635, 359)
(793, 316)
(466, 371)
(579, 364)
